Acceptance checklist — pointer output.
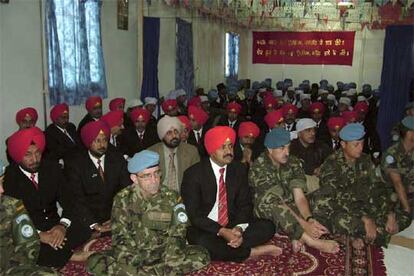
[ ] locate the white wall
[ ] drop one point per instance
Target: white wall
(366, 66)
(21, 61)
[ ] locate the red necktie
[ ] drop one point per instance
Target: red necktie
(100, 170)
(33, 179)
(222, 206)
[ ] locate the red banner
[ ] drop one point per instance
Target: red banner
(303, 47)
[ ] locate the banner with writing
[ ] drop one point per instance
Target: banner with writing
(303, 47)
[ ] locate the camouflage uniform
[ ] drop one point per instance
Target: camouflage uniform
(349, 192)
(273, 190)
(19, 241)
(148, 237)
(395, 159)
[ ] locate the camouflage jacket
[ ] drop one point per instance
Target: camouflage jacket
(144, 230)
(351, 188)
(395, 159)
(267, 180)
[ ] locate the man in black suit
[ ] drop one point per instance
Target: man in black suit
(62, 140)
(39, 184)
(232, 118)
(248, 146)
(218, 202)
(115, 121)
(95, 176)
(141, 135)
(94, 107)
(198, 119)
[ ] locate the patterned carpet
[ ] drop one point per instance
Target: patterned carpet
(306, 262)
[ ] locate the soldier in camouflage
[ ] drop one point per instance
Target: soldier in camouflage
(19, 241)
(398, 166)
(148, 228)
(353, 197)
(279, 185)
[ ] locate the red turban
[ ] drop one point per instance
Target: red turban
(22, 113)
(217, 136)
(20, 141)
(198, 114)
(274, 117)
(349, 116)
(248, 129)
(113, 118)
(116, 104)
(138, 113)
(194, 101)
(361, 107)
(234, 107)
(169, 105)
(58, 110)
(335, 123)
(269, 102)
(317, 107)
(185, 121)
(91, 130)
(289, 108)
(92, 102)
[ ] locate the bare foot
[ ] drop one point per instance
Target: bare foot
(81, 256)
(327, 246)
(358, 244)
(296, 246)
(267, 249)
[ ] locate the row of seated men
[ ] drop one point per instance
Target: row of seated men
(85, 190)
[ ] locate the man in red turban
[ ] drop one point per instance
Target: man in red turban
(62, 140)
(316, 111)
(115, 122)
(31, 178)
(218, 203)
(26, 117)
(94, 107)
(170, 107)
(141, 135)
(361, 108)
(95, 176)
(186, 128)
(117, 104)
(274, 119)
(290, 113)
(335, 124)
(269, 103)
(232, 118)
(247, 148)
(198, 118)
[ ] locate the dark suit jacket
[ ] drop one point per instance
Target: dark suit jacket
(225, 122)
(59, 145)
(131, 144)
(86, 119)
(199, 190)
(93, 197)
(200, 146)
(41, 203)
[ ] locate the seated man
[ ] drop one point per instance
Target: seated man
(218, 202)
(115, 121)
(175, 157)
(232, 117)
(279, 186)
(248, 146)
(353, 199)
(334, 124)
(39, 185)
(398, 164)
(94, 107)
(18, 249)
(95, 176)
(198, 120)
(148, 226)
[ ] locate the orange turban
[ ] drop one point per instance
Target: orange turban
(92, 102)
(138, 113)
(20, 141)
(185, 121)
(248, 129)
(58, 110)
(28, 111)
(269, 102)
(113, 118)
(234, 107)
(317, 107)
(274, 117)
(198, 114)
(349, 116)
(116, 104)
(169, 105)
(335, 123)
(91, 130)
(289, 108)
(195, 101)
(217, 136)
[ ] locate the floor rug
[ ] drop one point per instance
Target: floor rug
(306, 262)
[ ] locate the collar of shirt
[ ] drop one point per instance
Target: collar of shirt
(95, 160)
(61, 129)
(198, 131)
(29, 174)
(232, 123)
(216, 169)
(140, 133)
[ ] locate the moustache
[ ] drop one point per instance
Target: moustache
(228, 155)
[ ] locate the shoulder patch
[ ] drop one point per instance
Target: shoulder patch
(389, 159)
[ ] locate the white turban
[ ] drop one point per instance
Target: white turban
(167, 123)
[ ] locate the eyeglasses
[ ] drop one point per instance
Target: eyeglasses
(148, 176)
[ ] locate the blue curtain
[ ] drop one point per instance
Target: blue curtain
(151, 48)
(232, 58)
(76, 68)
(184, 70)
(397, 74)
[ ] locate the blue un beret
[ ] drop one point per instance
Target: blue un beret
(352, 132)
(277, 138)
(408, 122)
(2, 168)
(143, 160)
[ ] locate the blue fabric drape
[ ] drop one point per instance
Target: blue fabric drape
(76, 68)
(397, 74)
(151, 39)
(232, 64)
(184, 70)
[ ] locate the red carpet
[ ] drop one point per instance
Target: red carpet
(306, 262)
